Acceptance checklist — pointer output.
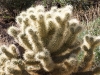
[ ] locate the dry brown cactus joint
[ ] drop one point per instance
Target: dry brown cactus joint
(50, 40)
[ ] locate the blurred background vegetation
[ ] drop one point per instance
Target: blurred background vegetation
(86, 11)
(13, 7)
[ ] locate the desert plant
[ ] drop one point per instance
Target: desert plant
(92, 28)
(51, 44)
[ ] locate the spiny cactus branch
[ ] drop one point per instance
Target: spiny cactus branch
(51, 44)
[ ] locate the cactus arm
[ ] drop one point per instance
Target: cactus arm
(88, 46)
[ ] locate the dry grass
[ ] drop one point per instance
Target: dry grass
(88, 15)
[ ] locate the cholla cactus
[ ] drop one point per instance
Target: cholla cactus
(51, 44)
(9, 64)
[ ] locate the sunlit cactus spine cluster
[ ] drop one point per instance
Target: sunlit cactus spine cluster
(50, 40)
(9, 64)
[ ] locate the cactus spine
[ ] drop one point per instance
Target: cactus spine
(50, 42)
